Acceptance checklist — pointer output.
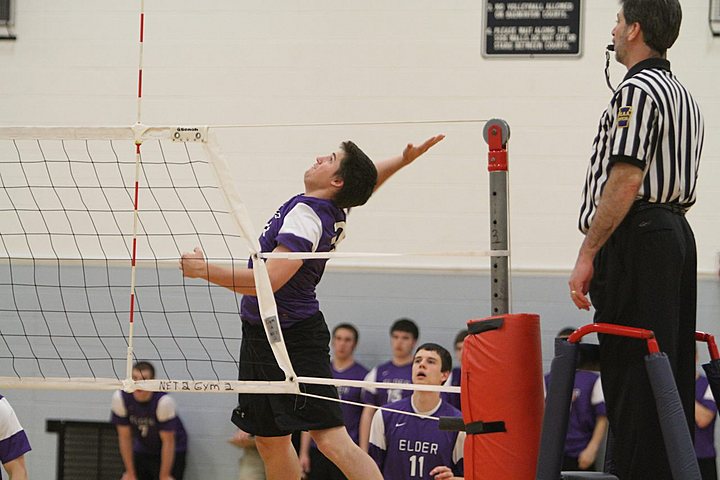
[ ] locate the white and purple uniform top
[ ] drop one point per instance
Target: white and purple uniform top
(13, 441)
(705, 437)
(387, 372)
(147, 420)
(351, 413)
(302, 224)
(588, 403)
(409, 447)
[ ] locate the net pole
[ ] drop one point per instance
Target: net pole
(138, 143)
(496, 134)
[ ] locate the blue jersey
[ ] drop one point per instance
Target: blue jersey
(302, 224)
(147, 420)
(453, 381)
(588, 403)
(406, 447)
(351, 413)
(13, 441)
(705, 437)
(387, 372)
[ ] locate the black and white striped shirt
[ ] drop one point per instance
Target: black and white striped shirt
(654, 123)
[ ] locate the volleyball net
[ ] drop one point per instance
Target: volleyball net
(94, 221)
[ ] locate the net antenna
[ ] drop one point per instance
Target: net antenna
(265, 295)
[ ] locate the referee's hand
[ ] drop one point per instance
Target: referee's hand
(580, 281)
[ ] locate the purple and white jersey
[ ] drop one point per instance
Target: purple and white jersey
(302, 224)
(409, 447)
(705, 437)
(13, 441)
(588, 403)
(453, 381)
(147, 420)
(387, 372)
(351, 413)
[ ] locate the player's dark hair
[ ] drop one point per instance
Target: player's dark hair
(347, 326)
(460, 337)
(145, 366)
(359, 177)
(405, 325)
(445, 358)
(659, 20)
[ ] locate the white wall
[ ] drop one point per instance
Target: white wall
(302, 61)
(250, 62)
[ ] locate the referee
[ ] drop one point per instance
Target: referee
(638, 258)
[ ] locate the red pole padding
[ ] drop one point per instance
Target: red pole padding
(502, 388)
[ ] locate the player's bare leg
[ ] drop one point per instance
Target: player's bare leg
(279, 456)
(336, 445)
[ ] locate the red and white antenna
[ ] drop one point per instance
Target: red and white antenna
(138, 143)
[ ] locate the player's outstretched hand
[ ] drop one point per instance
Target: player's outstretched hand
(193, 264)
(411, 151)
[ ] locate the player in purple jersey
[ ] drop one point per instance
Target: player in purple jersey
(454, 378)
(407, 447)
(588, 422)
(315, 465)
(152, 438)
(14, 443)
(403, 338)
(311, 222)
(705, 414)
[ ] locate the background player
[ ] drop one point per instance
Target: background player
(410, 447)
(403, 338)
(152, 438)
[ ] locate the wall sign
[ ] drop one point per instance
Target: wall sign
(532, 28)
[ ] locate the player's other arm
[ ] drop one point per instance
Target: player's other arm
(240, 280)
(167, 454)
(387, 168)
(16, 468)
(126, 451)
(365, 423)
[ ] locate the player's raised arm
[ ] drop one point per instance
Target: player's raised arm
(387, 168)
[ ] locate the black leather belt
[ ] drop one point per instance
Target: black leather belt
(641, 205)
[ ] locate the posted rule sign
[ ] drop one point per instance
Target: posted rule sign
(532, 28)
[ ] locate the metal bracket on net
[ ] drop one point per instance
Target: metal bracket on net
(189, 134)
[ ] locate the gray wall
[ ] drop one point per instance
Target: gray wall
(440, 303)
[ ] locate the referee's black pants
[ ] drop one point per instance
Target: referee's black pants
(646, 277)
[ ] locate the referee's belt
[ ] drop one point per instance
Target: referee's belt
(673, 207)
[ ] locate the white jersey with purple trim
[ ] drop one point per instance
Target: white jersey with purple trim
(406, 447)
(13, 440)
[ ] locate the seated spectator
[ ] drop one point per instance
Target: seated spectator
(14, 443)
(152, 438)
(403, 338)
(407, 447)
(705, 414)
(251, 465)
(588, 421)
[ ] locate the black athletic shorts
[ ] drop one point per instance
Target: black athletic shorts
(275, 415)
